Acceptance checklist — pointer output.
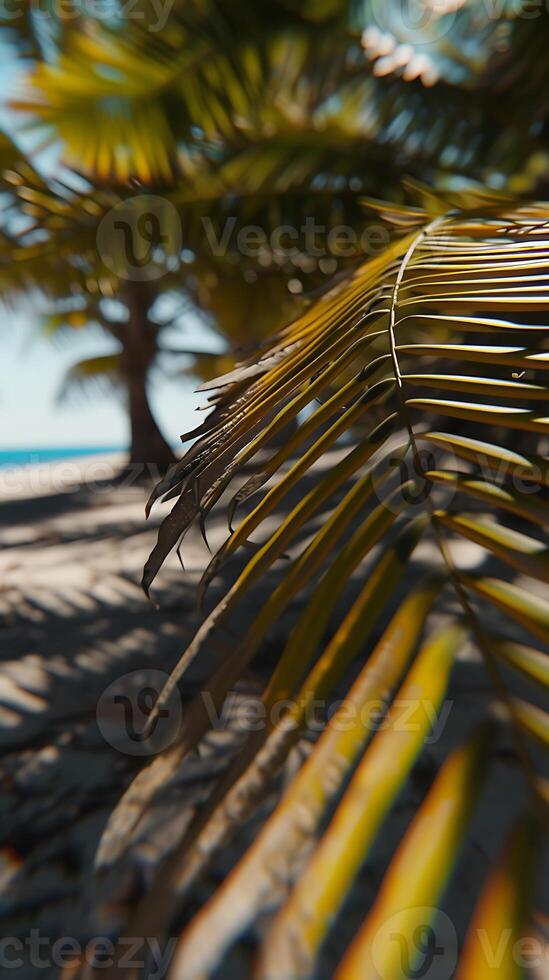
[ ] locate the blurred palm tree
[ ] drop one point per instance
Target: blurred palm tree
(232, 119)
(66, 232)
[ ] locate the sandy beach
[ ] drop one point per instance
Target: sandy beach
(73, 618)
(73, 623)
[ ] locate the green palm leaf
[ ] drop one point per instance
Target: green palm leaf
(412, 889)
(500, 920)
(429, 299)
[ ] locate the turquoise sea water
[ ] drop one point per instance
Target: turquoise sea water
(29, 457)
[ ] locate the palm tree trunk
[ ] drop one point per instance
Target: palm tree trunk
(147, 446)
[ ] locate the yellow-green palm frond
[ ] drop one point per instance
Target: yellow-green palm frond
(106, 89)
(418, 392)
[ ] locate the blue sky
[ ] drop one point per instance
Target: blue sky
(32, 369)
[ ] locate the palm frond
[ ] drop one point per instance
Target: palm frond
(91, 375)
(503, 906)
(405, 479)
(412, 889)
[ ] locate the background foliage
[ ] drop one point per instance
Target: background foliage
(404, 405)
(264, 118)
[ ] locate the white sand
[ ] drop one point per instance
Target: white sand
(72, 620)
